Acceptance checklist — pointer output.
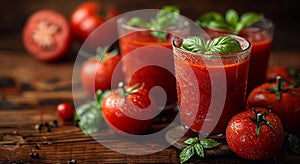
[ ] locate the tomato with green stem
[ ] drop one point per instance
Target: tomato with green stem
(283, 98)
(129, 110)
(255, 134)
(97, 71)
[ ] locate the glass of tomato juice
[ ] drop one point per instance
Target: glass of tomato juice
(211, 87)
(260, 34)
(151, 60)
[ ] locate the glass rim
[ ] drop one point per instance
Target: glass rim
(232, 54)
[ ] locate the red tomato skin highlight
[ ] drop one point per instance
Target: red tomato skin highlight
(242, 140)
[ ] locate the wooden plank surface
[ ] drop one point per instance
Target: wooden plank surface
(30, 87)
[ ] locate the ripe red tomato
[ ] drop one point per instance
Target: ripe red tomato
(129, 110)
(97, 73)
(283, 99)
(85, 19)
(47, 35)
(277, 70)
(65, 111)
(247, 140)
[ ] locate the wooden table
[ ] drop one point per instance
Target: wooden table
(29, 87)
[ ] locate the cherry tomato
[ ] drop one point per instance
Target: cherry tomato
(255, 134)
(97, 73)
(129, 110)
(282, 98)
(85, 19)
(47, 35)
(65, 111)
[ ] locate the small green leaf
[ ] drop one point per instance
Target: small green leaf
(191, 141)
(232, 17)
(209, 143)
(231, 22)
(224, 45)
(138, 22)
(249, 18)
(164, 19)
(89, 117)
(199, 150)
(100, 95)
(186, 154)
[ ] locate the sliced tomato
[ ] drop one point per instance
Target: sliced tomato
(47, 35)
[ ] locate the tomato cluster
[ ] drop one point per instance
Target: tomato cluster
(279, 97)
(47, 34)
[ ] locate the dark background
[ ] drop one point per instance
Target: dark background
(284, 13)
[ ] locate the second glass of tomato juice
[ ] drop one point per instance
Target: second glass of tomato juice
(211, 86)
(260, 34)
(149, 55)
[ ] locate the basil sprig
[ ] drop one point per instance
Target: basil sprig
(165, 18)
(89, 116)
(219, 45)
(231, 20)
(198, 146)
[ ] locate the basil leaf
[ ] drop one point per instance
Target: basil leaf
(219, 45)
(205, 18)
(249, 18)
(224, 45)
(231, 21)
(138, 22)
(191, 141)
(209, 143)
(194, 44)
(165, 18)
(89, 117)
(186, 154)
(231, 16)
(199, 150)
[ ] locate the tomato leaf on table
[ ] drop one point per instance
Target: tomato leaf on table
(198, 146)
(89, 116)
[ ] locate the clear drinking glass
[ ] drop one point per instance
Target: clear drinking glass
(211, 88)
(151, 59)
(260, 34)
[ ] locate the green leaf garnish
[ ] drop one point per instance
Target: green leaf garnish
(89, 116)
(231, 20)
(198, 146)
(219, 45)
(165, 18)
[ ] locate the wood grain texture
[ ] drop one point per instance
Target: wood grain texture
(32, 91)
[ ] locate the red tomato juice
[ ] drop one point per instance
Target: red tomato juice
(260, 52)
(236, 74)
(150, 75)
